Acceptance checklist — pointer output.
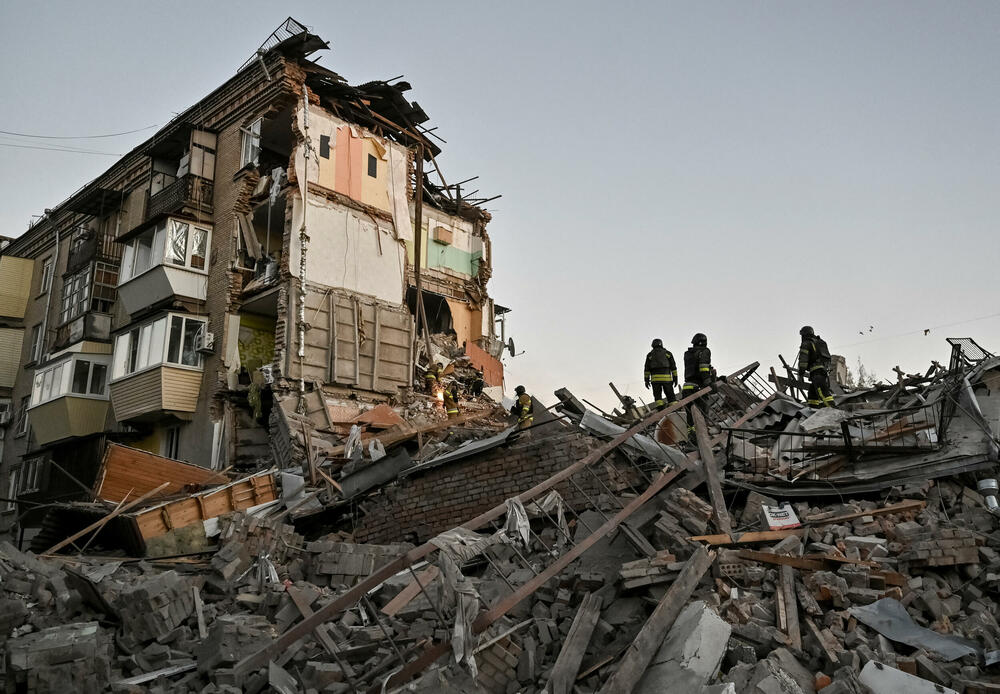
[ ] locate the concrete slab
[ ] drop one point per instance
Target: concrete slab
(690, 654)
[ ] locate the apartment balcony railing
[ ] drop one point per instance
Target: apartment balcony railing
(188, 191)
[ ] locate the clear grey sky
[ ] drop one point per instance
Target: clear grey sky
(735, 168)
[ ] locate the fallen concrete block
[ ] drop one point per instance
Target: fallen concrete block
(882, 679)
(690, 654)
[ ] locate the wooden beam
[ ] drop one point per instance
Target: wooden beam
(404, 596)
(351, 596)
(748, 538)
(719, 511)
(638, 656)
(907, 506)
(821, 639)
(791, 607)
(100, 523)
(574, 647)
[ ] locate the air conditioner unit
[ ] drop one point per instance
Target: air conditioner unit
(207, 345)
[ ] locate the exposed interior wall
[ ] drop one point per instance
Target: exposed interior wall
(448, 244)
(256, 341)
(341, 164)
(349, 249)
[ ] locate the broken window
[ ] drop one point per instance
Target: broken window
(324, 146)
(177, 243)
(251, 143)
(173, 242)
(22, 416)
(372, 166)
(105, 282)
(30, 474)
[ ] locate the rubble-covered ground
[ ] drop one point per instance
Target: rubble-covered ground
(781, 550)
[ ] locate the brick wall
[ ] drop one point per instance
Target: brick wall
(442, 498)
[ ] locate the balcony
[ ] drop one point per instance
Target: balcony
(161, 283)
(67, 417)
(155, 393)
(188, 194)
(95, 327)
(165, 261)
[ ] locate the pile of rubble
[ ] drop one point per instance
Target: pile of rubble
(782, 550)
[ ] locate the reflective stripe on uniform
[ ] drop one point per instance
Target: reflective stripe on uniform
(689, 386)
(704, 368)
(662, 378)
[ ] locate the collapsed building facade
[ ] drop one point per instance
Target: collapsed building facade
(370, 543)
(267, 242)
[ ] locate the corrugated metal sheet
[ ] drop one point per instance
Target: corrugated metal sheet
(15, 285)
(11, 340)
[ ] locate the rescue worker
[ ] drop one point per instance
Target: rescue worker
(661, 373)
(451, 400)
(523, 408)
(698, 373)
(478, 383)
(432, 377)
(814, 362)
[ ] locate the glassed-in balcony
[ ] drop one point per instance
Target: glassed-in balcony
(69, 398)
(164, 261)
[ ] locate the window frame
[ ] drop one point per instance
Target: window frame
(30, 475)
(23, 425)
(155, 348)
(250, 143)
(77, 285)
(171, 442)
(158, 238)
(48, 271)
(37, 343)
(65, 371)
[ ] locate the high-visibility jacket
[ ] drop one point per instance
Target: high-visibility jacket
(525, 408)
(660, 366)
(697, 368)
(433, 374)
(813, 355)
(450, 402)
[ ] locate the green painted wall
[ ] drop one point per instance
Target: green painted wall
(440, 255)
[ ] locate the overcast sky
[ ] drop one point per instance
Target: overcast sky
(738, 168)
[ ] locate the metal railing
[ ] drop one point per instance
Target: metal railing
(189, 190)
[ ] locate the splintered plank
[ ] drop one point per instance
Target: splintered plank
(791, 607)
(721, 513)
(404, 596)
(575, 646)
(638, 656)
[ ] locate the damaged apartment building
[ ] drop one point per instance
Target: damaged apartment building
(267, 243)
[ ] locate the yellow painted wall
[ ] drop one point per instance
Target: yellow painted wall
(375, 191)
(10, 354)
(151, 443)
(466, 321)
(15, 285)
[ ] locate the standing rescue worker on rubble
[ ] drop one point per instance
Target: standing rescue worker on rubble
(432, 376)
(698, 373)
(660, 371)
(451, 400)
(523, 408)
(814, 362)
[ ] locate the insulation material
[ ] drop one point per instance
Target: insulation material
(517, 521)
(460, 593)
(398, 164)
(343, 254)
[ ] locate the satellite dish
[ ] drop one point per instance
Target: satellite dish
(510, 346)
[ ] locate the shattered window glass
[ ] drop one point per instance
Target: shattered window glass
(177, 243)
(192, 340)
(199, 244)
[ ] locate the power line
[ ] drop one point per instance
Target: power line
(79, 137)
(61, 149)
(922, 330)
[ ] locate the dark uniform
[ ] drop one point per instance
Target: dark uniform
(661, 373)
(814, 361)
(477, 384)
(698, 372)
